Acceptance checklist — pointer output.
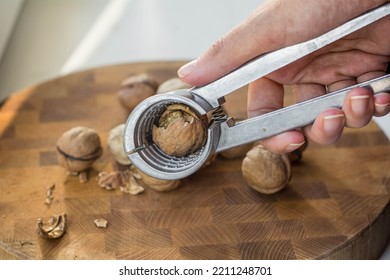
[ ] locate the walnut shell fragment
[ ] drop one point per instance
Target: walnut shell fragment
(171, 85)
(132, 187)
(101, 223)
(115, 144)
(54, 228)
(122, 180)
(179, 131)
(265, 171)
(78, 148)
(135, 89)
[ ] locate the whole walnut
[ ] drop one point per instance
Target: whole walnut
(135, 89)
(154, 183)
(78, 148)
(115, 144)
(265, 171)
(171, 85)
(236, 152)
(179, 131)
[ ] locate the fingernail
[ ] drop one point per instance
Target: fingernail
(359, 104)
(293, 146)
(186, 69)
(381, 108)
(333, 123)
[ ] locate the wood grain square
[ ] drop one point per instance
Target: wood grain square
(205, 235)
(271, 230)
(172, 253)
(48, 158)
(243, 213)
(267, 250)
(211, 252)
(321, 208)
(172, 218)
(142, 239)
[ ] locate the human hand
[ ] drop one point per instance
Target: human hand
(361, 56)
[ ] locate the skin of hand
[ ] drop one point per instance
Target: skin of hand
(360, 56)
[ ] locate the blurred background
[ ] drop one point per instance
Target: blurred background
(43, 39)
(40, 39)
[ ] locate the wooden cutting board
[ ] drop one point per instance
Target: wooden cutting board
(335, 207)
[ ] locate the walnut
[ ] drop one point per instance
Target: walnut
(54, 228)
(115, 145)
(154, 183)
(78, 148)
(135, 89)
(236, 152)
(171, 85)
(179, 131)
(265, 171)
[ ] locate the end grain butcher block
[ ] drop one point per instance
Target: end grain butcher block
(335, 207)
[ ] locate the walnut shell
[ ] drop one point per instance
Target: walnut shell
(115, 145)
(180, 131)
(171, 85)
(78, 148)
(265, 171)
(135, 89)
(236, 152)
(154, 183)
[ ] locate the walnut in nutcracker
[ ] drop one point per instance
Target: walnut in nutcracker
(78, 148)
(179, 131)
(135, 89)
(265, 171)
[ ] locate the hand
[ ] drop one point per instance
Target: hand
(358, 57)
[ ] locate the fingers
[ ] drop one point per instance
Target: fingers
(265, 95)
(327, 128)
(329, 125)
(382, 104)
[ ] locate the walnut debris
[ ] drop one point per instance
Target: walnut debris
(101, 223)
(133, 187)
(122, 180)
(49, 194)
(54, 228)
